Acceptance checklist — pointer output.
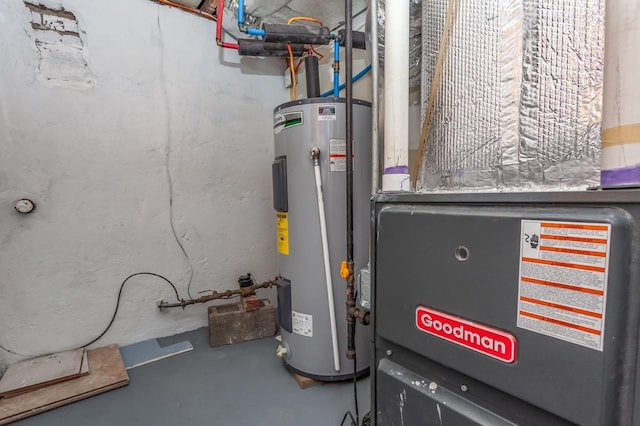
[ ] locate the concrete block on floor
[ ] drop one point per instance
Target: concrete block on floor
(231, 323)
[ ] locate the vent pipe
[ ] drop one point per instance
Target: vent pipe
(621, 109)
(396, 97)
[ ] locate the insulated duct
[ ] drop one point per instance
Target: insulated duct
(519, 102)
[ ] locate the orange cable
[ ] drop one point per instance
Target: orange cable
(292, 68)
(316, 52)
(304, 18)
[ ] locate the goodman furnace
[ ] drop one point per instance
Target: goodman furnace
(506, 309)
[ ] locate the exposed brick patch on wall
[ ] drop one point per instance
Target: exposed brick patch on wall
(58, 40)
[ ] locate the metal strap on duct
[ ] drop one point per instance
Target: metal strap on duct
(519, 103)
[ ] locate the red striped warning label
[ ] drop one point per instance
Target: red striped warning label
(563, 280)
(337, 155)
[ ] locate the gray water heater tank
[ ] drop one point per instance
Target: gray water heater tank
(303, 307)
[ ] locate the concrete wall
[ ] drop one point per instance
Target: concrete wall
(97, 110)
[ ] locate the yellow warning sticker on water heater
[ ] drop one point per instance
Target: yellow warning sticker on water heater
(283, 233)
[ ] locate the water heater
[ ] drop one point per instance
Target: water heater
(306, 193)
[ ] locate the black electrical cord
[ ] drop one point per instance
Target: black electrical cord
(355, 391)
(113, 317)
(354, 421)
(115, 312)
(348, 415)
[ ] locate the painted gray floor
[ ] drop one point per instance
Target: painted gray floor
(242, 384)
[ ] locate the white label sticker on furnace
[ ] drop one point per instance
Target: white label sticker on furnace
(337, 155)
(562, 290)
(302, 324)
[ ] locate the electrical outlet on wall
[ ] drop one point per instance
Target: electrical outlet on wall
(287, 78)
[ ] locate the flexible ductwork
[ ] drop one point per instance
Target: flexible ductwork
(518, 106)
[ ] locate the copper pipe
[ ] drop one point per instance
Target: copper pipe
(246, 291)
(188, 9)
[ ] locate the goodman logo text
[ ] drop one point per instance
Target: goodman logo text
(488, 341)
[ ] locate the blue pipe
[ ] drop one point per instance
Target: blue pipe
(250, 31)
(336, 68)
(255, 32)
(356, 77)
(240, 13)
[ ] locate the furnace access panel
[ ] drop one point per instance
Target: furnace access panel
(508, 313)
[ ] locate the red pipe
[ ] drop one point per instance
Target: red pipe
(219, 42)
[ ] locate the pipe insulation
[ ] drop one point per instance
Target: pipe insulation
(396, 98)
(259, 12)
(621, 111)
(519, 102)
(312, 76)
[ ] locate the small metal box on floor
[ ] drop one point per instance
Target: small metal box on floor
(507, 309)
(230, 323)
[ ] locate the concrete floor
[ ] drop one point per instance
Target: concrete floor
(242, 384)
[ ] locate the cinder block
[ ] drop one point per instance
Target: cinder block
(230, 323)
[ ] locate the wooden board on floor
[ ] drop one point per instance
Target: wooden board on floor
(106, 372)
(305, 382)
(36, 373)
(84, 369)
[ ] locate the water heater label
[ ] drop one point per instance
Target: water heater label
(562, 289)
(477, 337)
(282, 225)
(338, 155)
(327, 113)
(302, 324)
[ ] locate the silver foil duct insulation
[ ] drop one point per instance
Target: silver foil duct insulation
(519, 102)
(415, 39)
